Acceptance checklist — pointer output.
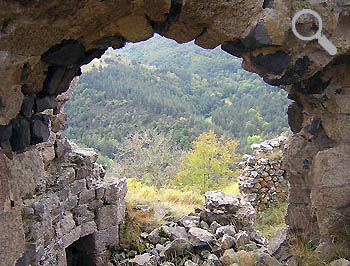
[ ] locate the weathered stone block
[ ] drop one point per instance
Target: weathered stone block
(20, 137)
(58, 122)
(82, 214)
(199, 237)
(38, 229)
(108, 237)
(71, 237)
(62, 147)
(86, 196)
(78, 186)
(115, 191)
(95, 204)
(11, 237)
(64, 177)
(65, 225)
(39, 129)
(83, 172)
(44, 207)
(71, 203)
(48, 102)
(100, 192)
(107, 216)
(88, 228)
(27, 106)
(5, 133)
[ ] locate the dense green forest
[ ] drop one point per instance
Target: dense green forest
(179, 90)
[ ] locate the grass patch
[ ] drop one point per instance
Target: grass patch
(231, 188)
(174, 201)
(305, 255)
(274, 155)
(163, 202)
(272, 219)
(136, 222)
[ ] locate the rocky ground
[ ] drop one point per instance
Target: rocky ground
(221, 233)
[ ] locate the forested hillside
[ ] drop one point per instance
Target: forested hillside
(179, 90)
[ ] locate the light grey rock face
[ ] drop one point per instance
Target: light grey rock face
(159, 248)
(258, 238)
(214, 226)
(242, 239)
(278, 247)
(231, 257)
(176, 232)
(331, 187)
(212, 260)
(189, 221)
(178, 247)
(227, 242)
(218, 200)
(245, 216)
(228, 209)
(199, 237)
(30, 165)
(226, 230)
(154, 237)
(143, 260)
(266, 260)
(107, 216)
(190, 263)
(220, 207)
(66, 224)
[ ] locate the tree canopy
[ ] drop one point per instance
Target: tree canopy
(211, 161)
(179, 90)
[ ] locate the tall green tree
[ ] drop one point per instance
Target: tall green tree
(211, 160)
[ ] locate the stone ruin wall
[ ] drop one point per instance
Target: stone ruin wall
(76, 203)
(263, 179)
(62, 197)
(44, 43)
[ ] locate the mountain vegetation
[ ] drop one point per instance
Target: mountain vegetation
(180, 91)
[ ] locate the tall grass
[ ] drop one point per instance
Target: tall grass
(270, 220)
(175, 201)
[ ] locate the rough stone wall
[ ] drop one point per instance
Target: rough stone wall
(44, 43)
(317, 156)
(263, 181)
(56, 195)
(75, 203)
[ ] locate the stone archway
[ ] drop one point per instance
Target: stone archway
(43, 44)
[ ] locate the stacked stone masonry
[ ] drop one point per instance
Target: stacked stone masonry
(61, 198)
(263, 180)
(78, 203)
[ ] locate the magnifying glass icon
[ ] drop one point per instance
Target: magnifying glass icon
(322, 40)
